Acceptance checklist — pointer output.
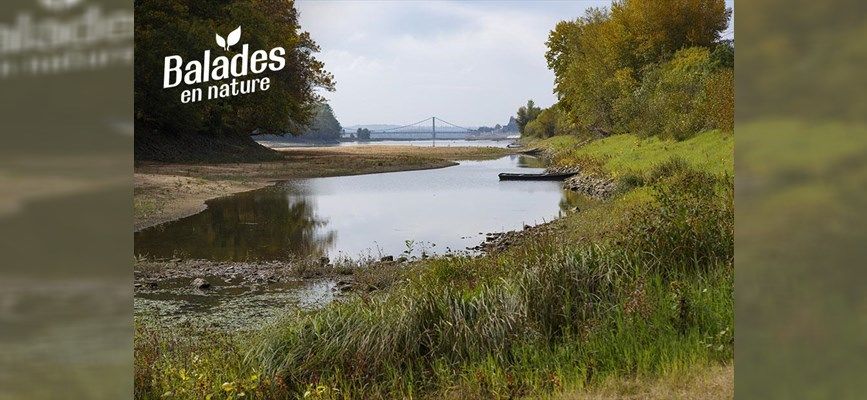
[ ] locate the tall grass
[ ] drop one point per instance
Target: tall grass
(654, 297)
(710, 151)
(658, 299)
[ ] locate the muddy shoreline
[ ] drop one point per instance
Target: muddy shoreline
(214, 290)
(164, 192)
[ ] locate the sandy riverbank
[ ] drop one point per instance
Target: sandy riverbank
(165, 192)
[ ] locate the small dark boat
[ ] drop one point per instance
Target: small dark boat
(505, 176)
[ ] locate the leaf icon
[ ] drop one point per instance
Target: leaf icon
(233, 37)
(220, 41)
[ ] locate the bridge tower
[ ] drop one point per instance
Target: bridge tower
(433, 121)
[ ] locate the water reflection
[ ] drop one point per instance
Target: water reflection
(525, 161)
(265, 224)
(438, 210)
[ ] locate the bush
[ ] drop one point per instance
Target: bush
(550, 122)
(672, 167)
(191, 363)
(671, 98)
(690, 226)
(720, 100)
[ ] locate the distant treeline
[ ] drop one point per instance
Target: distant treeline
(324, 126)
(648, 67)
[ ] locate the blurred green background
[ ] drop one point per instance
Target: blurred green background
(801, 169)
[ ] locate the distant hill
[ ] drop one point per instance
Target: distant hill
(372, 127)
(512, 126)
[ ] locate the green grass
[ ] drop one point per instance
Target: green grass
(641, 285)
(545, 317)
(711, 151)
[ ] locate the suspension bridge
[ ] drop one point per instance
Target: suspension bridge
(432, 126)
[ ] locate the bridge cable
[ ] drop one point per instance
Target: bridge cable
(406, 126)
(456, 126)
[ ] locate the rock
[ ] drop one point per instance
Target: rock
(527, 226)
(343, 286)
(200, 283)
(387, 259)
(591, 186)
(402, 259)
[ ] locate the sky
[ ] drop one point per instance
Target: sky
(469, 63)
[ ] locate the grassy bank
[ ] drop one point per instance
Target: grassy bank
(637, 287)
(710, 151)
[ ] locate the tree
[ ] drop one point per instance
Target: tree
(324, 125)
(602, 61)
(363, 134)
(186, 28)
(551, 121)
(526, 114)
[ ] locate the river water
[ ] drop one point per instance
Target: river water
(278, 144)
(430, 211)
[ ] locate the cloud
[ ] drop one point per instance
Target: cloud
(471, 63)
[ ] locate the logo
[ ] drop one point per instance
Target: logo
(233, 38)
(59, 5)
(236, 67)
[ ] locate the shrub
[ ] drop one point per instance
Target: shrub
(191, 363)
(672, 167)
(629, 181)
(550, 122)
(671, 96)
(689, 227)
(720, 100)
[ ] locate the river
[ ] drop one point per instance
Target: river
(412, 212)
(278, 144)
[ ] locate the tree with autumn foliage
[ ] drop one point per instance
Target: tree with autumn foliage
(652, 67)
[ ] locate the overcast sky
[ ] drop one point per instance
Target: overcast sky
(469, 63)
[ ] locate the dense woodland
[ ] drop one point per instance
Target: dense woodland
(652, 68)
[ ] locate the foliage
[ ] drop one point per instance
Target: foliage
(362, 134)
(186, 28)
(720, 99)
(691, 224)
(711, 151)
(526, 114)
(195, 363)
(324, 125)
(614, 68)
(550, 121)
(670, 101)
